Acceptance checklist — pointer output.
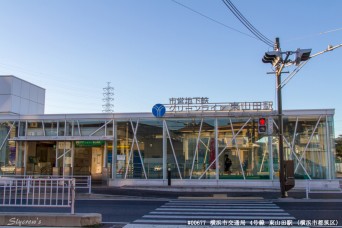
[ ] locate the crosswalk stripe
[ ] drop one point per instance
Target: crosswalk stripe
(152, 223)
(178, 213)
(224, 202)
(218, 202)
(214, 213)
(218, 209)
(249, 217)
(204, 206)
(186, 226)
(160, 221)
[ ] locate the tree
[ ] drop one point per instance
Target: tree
(338, 144)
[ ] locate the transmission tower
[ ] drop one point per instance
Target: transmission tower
(108, 97)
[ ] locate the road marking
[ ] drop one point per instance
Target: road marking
(248, 217)
(213, 213)
(218, 209)
(186, 226)
(219, 206)
(122, 223)
(220, 201)
(178, 213)
(126, 199)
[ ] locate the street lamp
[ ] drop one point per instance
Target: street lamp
(276, 59)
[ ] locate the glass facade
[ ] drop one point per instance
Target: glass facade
(188, 147)
(309, 142)
(135, 146)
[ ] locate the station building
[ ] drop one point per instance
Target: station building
(188, 136)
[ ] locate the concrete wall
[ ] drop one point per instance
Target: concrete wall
(20, 97)
(202, 184)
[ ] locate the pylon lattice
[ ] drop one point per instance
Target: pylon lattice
(108, 98)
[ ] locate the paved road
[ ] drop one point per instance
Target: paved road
(315, 211)
(174, 193)
(114, 211)
(140, 212)
(136, 208)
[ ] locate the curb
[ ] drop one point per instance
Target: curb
(49, 219)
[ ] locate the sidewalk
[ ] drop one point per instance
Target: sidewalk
(172, 192)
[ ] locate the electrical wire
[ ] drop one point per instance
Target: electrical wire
(302, 64)
(240, 15)
(79, 95)
(213, 20)
(310, 36)
(293, 73)
(247, 24)
(52, 78)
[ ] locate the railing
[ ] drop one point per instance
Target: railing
(37, 192)
(81, 182)
(322, 189)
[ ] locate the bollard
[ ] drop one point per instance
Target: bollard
(307, 189)
(28, 184)
(169, 176)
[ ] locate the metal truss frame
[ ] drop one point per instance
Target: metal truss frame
(173, 149)
(232, 140)
(135, 130)
(292, 144)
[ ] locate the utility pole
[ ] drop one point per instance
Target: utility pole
(280, 118)
(275, 57)
(108, 94)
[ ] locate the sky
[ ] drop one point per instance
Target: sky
(153, 50)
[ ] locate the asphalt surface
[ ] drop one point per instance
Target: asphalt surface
(175, 192)
(120, 206)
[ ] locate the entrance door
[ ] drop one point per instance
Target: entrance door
(96, 161)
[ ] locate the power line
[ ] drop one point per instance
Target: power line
(302, 64)
(333, 30)
(317, 34)
(47, 77)
(247, 24)
(213, 20)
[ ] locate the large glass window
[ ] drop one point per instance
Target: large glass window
(19, 163)
(203, 154)
(140, 149)
(305, 143)
(35, 128)
(124, 142)
(64, 156)
(83, 159)
(22, 128)
(8, 131)
(92, 127)
(150, 140)
(181, 134)
(109, 129)
(50, 127)
(191, 148)
(243, 152)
